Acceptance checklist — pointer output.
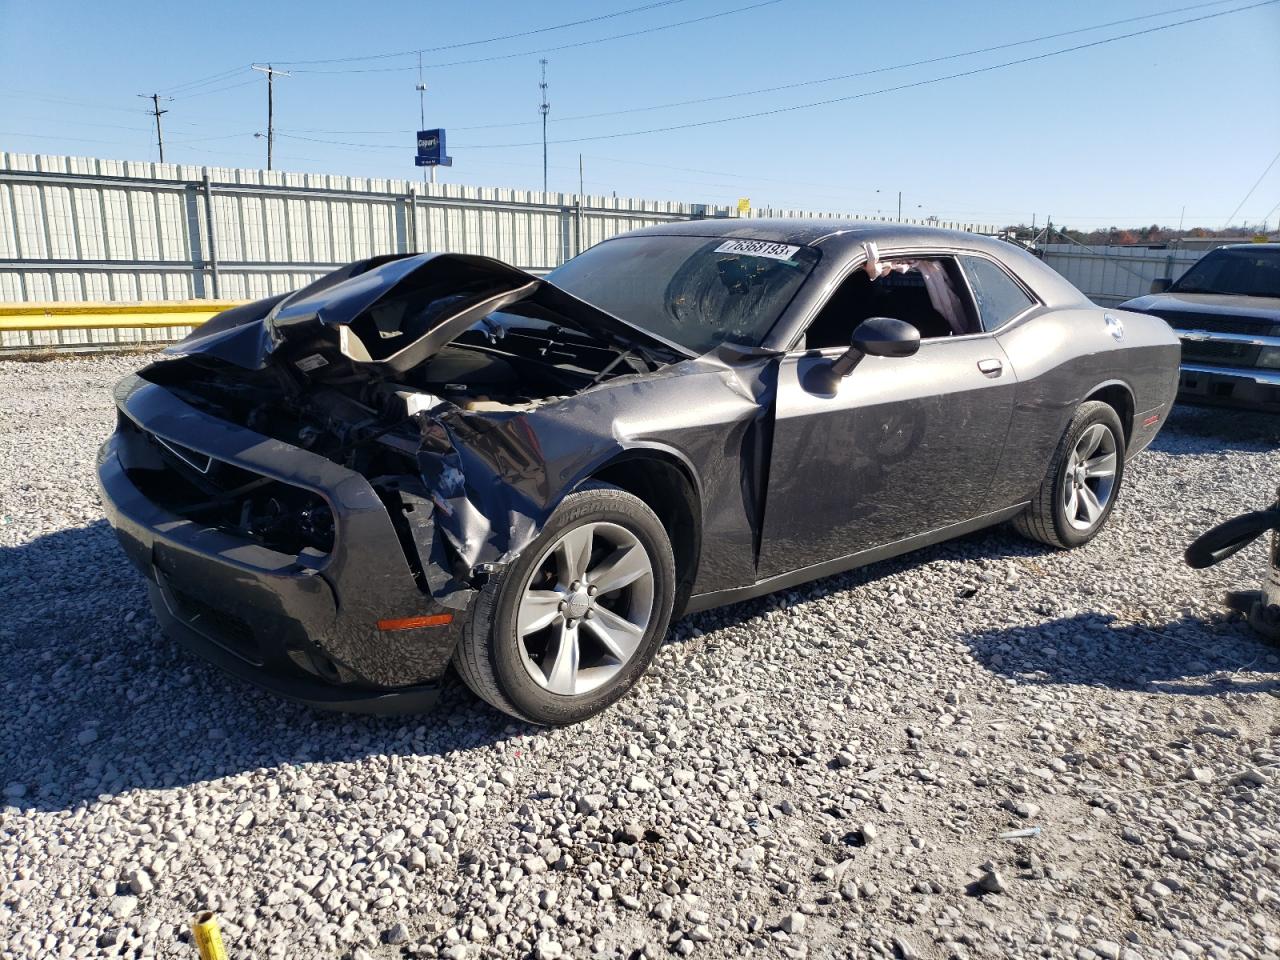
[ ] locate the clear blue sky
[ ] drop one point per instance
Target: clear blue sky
(1126, 133)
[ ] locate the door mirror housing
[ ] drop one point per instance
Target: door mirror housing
(877, 337)
(1161, 284)
(886, 337)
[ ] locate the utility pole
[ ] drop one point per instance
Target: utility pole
(155, 99)
(544, 108)
(271, 126)
(899, 206)
(422, 114)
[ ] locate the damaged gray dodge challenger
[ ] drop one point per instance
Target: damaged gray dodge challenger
(430, 459)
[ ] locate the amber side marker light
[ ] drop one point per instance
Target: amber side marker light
(412, 623)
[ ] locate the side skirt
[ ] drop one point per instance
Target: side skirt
(784, 581)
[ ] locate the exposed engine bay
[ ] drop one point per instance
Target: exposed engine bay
(370, 419)
(323, 402)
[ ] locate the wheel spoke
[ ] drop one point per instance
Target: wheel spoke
(1089, 502)
(619, 636)
(563, 674)
(624, 566)
(537, 609)
(1089, 441)
(1073, 503)
(573, 553)
(1101, 466)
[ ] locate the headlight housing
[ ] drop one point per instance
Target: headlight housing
(1269, 358)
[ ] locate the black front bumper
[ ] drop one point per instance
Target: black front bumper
(302, 626)
(1253, 389)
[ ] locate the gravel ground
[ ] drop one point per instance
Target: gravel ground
(821, 773)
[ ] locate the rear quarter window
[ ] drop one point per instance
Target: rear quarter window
(998, 295)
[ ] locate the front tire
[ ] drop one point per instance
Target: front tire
(1082, 483)
(567, 629)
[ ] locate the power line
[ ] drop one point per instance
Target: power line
(564, 46)
(801, 83)
(474, 43)
(203, 81)
(205, 93)
(220, 136)
(28, 95)
(1251, 189)
(860, 73)
(873, 93)
(83, 123)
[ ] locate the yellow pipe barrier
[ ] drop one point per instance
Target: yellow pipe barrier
(98, 316)
(208, 936)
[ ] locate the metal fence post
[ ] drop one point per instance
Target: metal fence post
(191, 200)
(212, 259)
(411, 227)
(402, 224)
(582, 242)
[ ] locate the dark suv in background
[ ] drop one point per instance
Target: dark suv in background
(1226, 311)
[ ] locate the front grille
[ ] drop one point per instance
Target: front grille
(1220, 352)
(1217, 323)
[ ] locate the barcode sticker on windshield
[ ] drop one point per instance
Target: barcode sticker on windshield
(758, 248)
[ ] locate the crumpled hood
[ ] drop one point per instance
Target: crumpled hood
(1228, 305)
(399, 310)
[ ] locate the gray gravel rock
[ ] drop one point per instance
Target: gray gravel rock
(814, 773)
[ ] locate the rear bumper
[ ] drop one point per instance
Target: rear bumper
(1248, 387)
(302, 626)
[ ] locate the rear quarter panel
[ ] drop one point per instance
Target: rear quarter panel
(1063, 356)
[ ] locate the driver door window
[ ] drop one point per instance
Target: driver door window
(929, 294)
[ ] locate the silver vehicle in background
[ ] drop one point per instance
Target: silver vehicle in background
(1226, 311)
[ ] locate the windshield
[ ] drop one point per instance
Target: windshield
(695, 291)
(1244, 272)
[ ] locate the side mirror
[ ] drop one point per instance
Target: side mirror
(877, 337)
(886, 337)
(1161, 284)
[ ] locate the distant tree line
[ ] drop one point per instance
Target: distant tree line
(1130, 235)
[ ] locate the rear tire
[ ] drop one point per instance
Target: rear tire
(548, 640)
(1080, 488)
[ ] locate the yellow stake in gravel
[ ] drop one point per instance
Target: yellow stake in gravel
(204, 926)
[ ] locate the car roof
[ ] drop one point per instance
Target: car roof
(1249, 246)
(813, 231)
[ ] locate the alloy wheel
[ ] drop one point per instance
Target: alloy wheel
(586, 608)
(1090, 477)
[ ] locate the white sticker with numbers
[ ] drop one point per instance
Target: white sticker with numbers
(758, 248)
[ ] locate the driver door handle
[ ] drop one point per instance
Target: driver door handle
(991, 368)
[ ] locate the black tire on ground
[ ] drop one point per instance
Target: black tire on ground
(1045, 518)
(488, 657)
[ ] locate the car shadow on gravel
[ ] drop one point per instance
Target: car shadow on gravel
(1187, 656)
(1192, 430)
(96, 701)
